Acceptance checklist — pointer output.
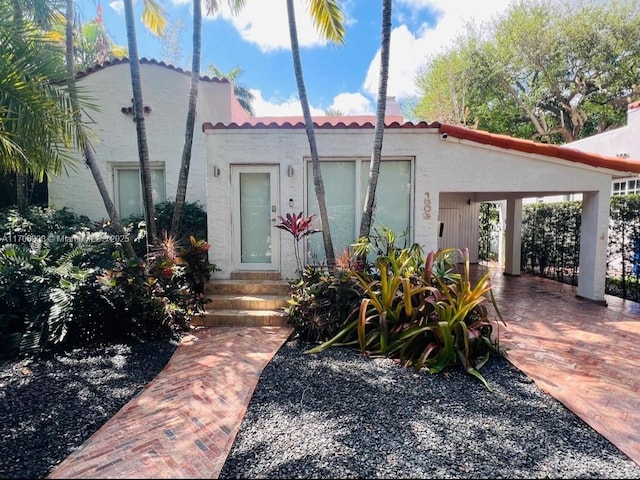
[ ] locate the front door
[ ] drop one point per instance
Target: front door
(255, 213)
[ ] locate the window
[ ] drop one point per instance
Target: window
(345, 185)
(129, 190)
(626, 187)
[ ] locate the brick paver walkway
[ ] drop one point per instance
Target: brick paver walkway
(183, 424)
(584, 354)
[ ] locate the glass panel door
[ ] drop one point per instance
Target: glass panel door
(255, 212)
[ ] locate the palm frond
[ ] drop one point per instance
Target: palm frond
(328, 19)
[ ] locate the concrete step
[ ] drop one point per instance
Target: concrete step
(247, 302)
(247, 287)
(255, 275)
(238, 317)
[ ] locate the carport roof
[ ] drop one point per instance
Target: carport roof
(462, 133)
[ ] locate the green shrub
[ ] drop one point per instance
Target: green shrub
(321, 302)
(76, 287)
(193, 223)
(44, 291)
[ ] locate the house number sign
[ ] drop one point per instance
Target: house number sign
(426, 212)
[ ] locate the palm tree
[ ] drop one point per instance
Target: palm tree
(378, 132)
(153, 18)
(94, 45)
(242, 93)
(334, 112)
(86, 147)
(36, 116)
(328, 19)
(183, 177)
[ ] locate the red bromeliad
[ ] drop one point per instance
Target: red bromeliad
(299, 226)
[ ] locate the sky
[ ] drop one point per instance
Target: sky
(342, 77)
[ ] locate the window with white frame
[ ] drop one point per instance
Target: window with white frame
(626, 187)
(345, 184)
(128, 189)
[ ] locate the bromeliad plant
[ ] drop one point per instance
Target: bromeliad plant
(299, 226)
(433, 318)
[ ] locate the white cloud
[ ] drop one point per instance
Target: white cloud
(279, 108)
(347, 103)
(265, 24)
(409, 50)
(118, 6)
(352, 104)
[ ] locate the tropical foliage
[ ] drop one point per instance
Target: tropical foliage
(299, 227)
(548, 70)
(243, 94)
(37, 125)
(428, 312)
(65, 281)
(320, 302)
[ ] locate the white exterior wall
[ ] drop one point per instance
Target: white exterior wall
(620, 141)
(440, 167)
(166, 91)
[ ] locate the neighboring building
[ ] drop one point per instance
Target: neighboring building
(165, 93)
(622, 142)
(431, 175)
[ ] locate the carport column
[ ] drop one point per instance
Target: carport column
(594, 232)
(513, 236)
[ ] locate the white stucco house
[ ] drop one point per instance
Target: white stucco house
(430, 174)
(165, 94)
(247, 171)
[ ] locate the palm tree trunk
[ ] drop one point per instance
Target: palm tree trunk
(143, 147)
(88, 152)
(21, 176)
(378, 133)
(183, 177)
(315, 160)
(22, 200)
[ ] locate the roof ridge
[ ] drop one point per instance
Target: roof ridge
(461, 133)
(546, 149)
(144, 61)
(287, 124)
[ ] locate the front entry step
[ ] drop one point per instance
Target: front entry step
(247, 299)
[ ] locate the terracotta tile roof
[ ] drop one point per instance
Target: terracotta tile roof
(462, 133)
(349, 122)
(144, 61)
(529, 146)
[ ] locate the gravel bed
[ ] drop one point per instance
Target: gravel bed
(331, 415)
(50, 405)
(339, 415)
